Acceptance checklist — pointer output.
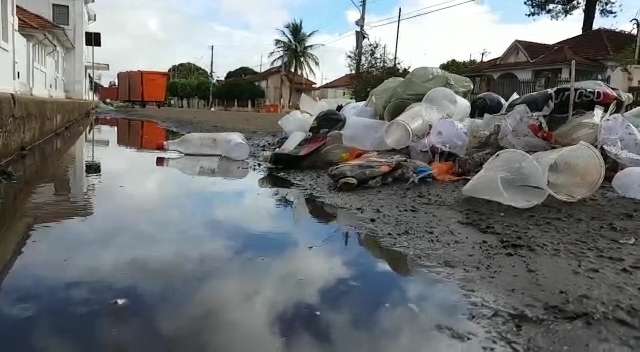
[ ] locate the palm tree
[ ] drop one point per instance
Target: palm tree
(293, 52)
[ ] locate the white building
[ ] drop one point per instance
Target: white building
(8, 25)
(42, 48)
(340, 88)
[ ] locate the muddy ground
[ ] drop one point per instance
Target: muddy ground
(559, 277)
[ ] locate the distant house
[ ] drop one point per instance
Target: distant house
(270, 81)
(529, 66)
(339, 88)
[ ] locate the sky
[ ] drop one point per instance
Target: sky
(155, 34)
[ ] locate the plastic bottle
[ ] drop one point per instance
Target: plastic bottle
(411, 125)
(448, 103)
(230, 144)
(365, 134)
(209, 166)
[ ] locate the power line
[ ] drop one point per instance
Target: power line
(355, 5)
(412, 12)
(422, 14)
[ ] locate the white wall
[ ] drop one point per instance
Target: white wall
(6, 51)
(21, 83)
(75, 85)
(333, 93)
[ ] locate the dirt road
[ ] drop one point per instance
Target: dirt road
(559, 277)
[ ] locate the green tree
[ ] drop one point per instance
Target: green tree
(240, 72)
(188, 71)
(239, 89)
(458, 67)
(376, 67)
(202, 88)
(294, 51)
(560, 9)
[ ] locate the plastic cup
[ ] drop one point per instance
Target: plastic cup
(395, 109)
(572, 173)
(448, 103)
(411, 124)
(510, 177)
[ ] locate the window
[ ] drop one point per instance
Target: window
(4, 18)
(60, 14)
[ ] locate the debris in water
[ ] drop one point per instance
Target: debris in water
(120, 302)
(628, 240)
(7, 176)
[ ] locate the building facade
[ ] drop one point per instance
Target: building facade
(536, 66)
(277, 87)
(42, 49)
(340, 88)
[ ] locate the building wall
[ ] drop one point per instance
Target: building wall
(333, 93)
(75, 76)
(7, 51)
(521, 74)
(21, 82)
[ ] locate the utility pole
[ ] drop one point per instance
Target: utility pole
(360, 34)
(211, 80)
(260, 62)
(395, 56)
(636, 22)
(482, 54)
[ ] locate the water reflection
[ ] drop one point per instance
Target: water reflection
(209, 166)
(207, 263)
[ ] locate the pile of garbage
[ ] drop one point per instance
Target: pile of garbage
(516, 152)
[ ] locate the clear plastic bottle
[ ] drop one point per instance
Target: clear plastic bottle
(208, 166)
(230, 144)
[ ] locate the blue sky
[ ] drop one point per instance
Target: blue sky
(154, 34)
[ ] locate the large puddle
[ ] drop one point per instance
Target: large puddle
(198, 254)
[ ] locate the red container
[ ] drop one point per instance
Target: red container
(108, 93)
(123, 86)
(143, 86)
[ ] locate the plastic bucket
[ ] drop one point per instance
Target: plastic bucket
(572, 173)
(510, 177)
(410, 125)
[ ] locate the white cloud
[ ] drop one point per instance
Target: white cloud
(148, 34)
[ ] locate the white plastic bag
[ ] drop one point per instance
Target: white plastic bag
(449, 135)
(359, 109)
(296, 121)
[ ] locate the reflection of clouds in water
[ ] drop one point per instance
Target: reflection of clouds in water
(236, 310)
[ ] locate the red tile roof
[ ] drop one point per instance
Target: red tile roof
(30, 20)
(587, 49)
(534, 50)
(298, 80)
(345, 81)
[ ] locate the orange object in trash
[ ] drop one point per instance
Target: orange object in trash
(445, 171)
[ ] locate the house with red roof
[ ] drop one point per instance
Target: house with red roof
(542, 65)
(339, 88)
(277, 86)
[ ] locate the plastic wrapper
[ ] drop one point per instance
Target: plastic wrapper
(379, 96)
(519, 131)
(359, 109)
(448, 103)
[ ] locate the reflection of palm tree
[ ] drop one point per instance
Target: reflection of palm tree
(293, 53)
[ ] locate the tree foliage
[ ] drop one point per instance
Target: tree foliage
(458, 67)
(238, 89)
(560, 9)
(294, 51)
(240, 72)
(376, 67)
(188, 71)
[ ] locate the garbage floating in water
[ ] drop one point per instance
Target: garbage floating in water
(230, 144)
(208, 166)
(627, 183)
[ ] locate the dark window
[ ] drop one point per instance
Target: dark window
(61, 14)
